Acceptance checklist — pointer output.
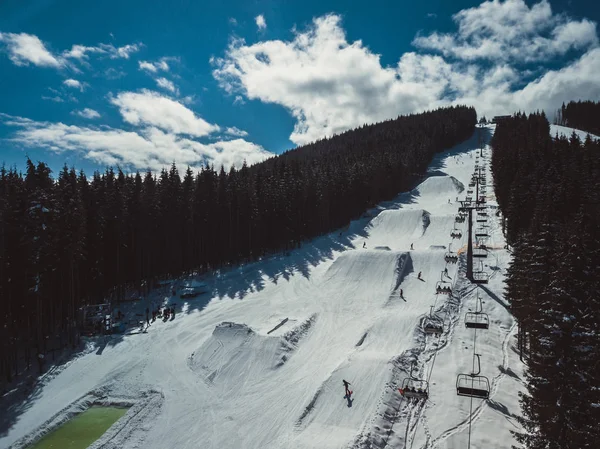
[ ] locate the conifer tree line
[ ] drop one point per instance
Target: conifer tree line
(584, 115)
(548, 190)
(72, 240)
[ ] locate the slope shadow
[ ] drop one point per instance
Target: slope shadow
(24, 395)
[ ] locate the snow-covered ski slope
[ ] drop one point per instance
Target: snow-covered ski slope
(222, 374)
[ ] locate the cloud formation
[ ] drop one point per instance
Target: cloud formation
(74, 84)
(148, 108)
(330, 85)
(261, 23)
(24, 49)
(166, 84)
(87, 113)
(511, 31)
(154, 67)
(147, 148)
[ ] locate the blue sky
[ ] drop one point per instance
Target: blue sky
(142, 84)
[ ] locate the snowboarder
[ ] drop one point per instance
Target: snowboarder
(411, 246)
(364, 244)
(346, 383)
(401, 294)
(419, 276)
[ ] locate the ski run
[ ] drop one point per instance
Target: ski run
(259, 361)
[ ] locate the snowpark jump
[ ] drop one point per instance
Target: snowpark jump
(267, 365)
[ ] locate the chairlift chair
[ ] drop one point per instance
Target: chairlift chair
(459, 218)
(456, 233)
(415, 388)
(480, 276)
(473, 385)
(479, 252)
(477, 319)
(481, 232)
(433, 324)
(443, 288)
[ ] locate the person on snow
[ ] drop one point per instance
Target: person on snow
(364, 244)
(419, 276)
(411, 246)
(401, 294)
(346, 383)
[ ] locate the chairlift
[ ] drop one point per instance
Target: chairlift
(456, 233)
(433, 324)
(413, 387)
(480, 276)
(443, 288)
(477, 319)
(481, 220)
(479, 252)
(481, 232)
(473, 385)
(459, 218)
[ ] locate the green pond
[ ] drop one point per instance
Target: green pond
(81, 431)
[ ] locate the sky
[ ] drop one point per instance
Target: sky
(142, 84)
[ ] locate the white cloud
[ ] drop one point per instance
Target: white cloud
(154, 67)
(56, 98)
(330, 85)
(166, 84)
(148, 66)
(239, 100)
(87, 113)
(80, 52)
(25, 49)
(511, 31)
(149, 148)
(147, 108)
(261, 23)
(74, 84)
(233, 21)
(233, 131)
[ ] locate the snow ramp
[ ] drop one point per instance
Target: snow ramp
(439, 186)
(234, 355)
(398, 228)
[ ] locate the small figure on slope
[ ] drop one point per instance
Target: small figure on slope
(348, 391)
(419, 276)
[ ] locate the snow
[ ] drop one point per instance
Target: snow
(259, 360)
(566, 131)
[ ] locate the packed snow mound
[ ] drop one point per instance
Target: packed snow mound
(235, 355)
(398, 224)
(364, 266)
(439, 186)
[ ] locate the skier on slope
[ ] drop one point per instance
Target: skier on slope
(419, 276)
(346, 383)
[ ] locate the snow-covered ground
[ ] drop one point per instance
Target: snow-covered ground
(223, 375)
(565, 131)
